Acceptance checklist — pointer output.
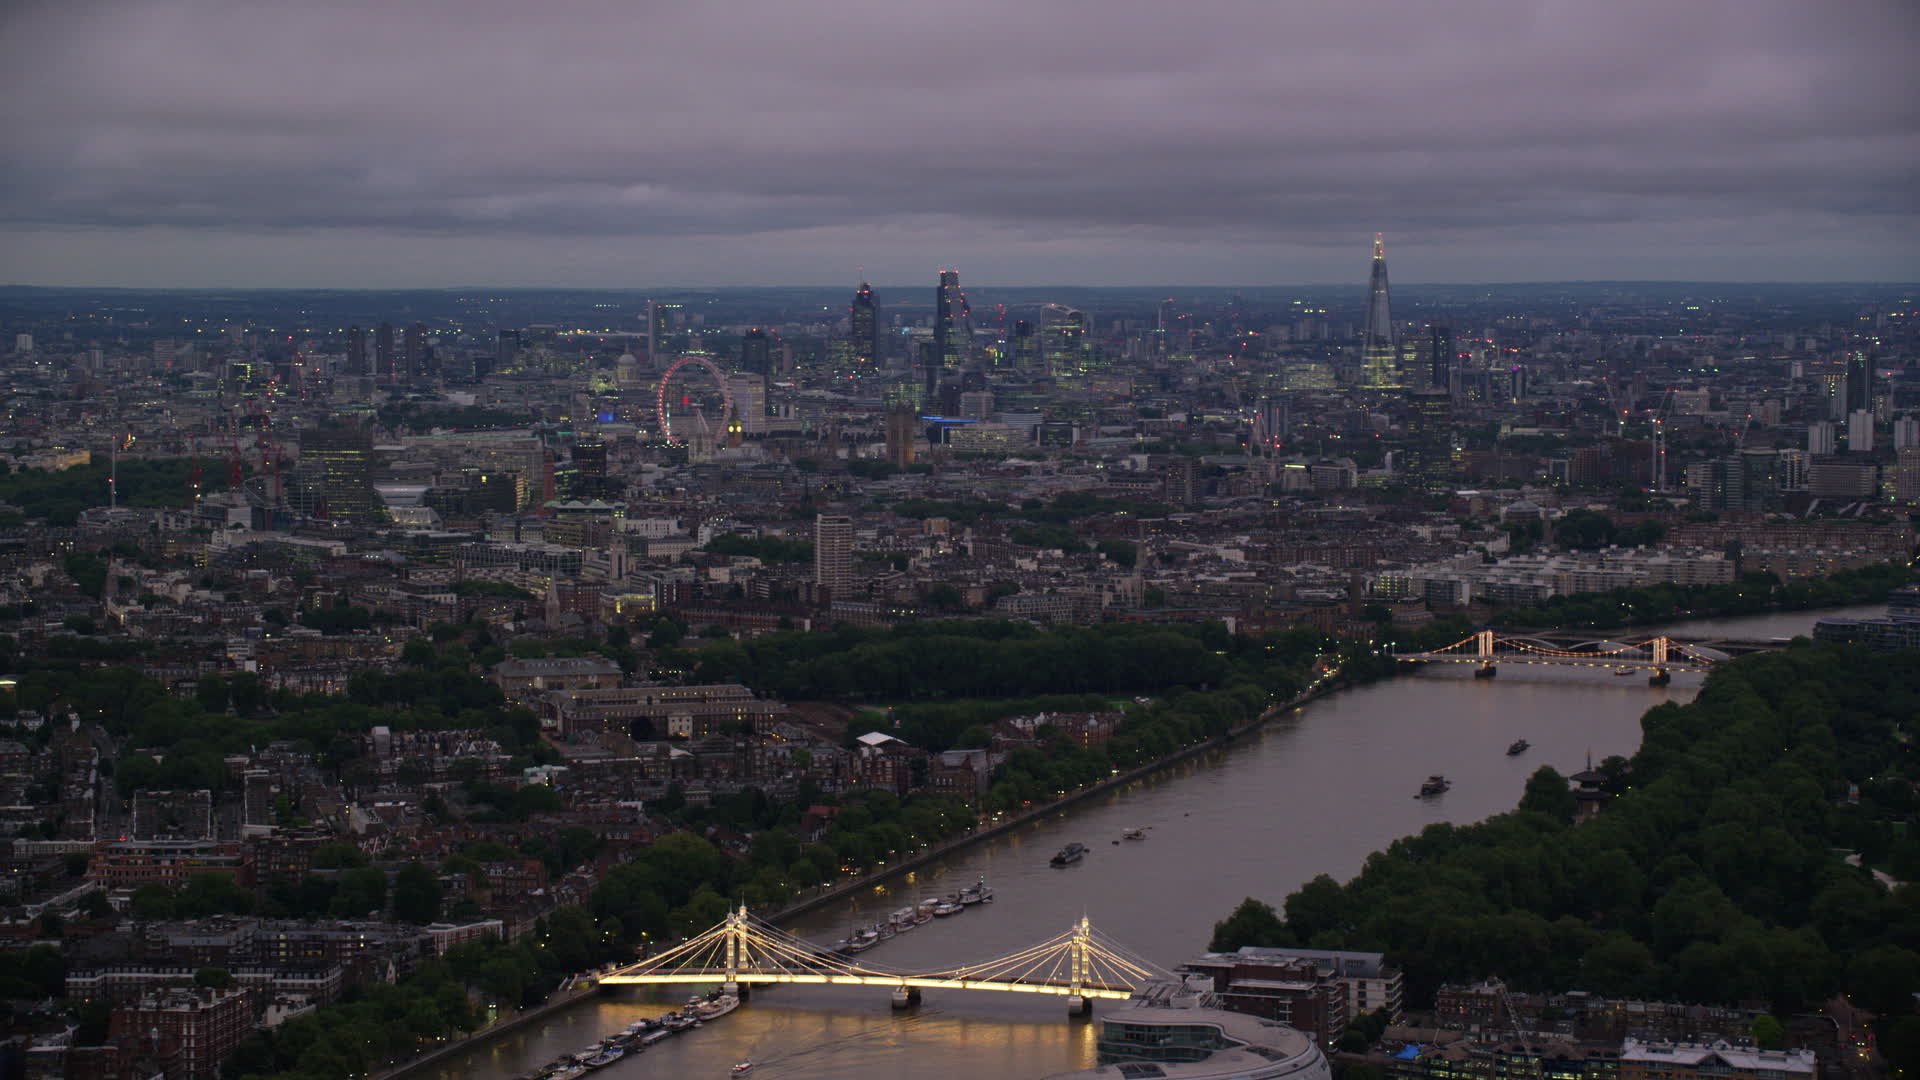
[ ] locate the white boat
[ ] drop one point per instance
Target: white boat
(745, 1066)
(1134, 834)
(903, 920)
(718, 1007)
(945, 908)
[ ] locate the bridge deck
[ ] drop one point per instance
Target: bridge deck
(754, 978)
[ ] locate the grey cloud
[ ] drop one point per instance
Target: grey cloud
(1070, 126)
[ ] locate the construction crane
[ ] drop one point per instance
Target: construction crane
(1660, 441)
(269, 449)
(1519, 1033)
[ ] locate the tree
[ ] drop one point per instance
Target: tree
(1319, 905)
(1547, 793)
(1769, 1033)
(1254, 922)
(1882, 979)
(211, 692)
(416, 894)
(213, 978)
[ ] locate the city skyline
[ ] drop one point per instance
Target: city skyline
(592, 147)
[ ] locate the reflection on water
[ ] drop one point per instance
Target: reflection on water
(1313, 792)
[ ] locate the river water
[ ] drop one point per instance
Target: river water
(1310, 793)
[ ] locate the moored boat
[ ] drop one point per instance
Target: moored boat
(605, 1057)
(945, 908)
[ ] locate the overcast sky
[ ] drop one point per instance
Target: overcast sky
(634, 143)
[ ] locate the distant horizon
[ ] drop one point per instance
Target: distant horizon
(1359, 285)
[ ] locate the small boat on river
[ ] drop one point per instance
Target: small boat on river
(1069, 855)
(1519, 746)
(1435, 785)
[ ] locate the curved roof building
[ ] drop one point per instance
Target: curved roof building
(1170, 1031)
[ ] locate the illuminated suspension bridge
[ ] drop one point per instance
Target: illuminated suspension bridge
(1080, 965)
(1489, 648)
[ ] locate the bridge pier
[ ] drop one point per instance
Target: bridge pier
(1487, 670)
(1660, 677)
(906, 997)
(737, 989)
(1079, 1006)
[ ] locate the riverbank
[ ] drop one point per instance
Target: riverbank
(842, 891)
(980, 834)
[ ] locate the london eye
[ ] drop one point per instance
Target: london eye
(687, 387)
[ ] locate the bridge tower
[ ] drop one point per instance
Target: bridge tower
(736, 930)
(1079, 1004)
(1483, 642)
(1661, 676)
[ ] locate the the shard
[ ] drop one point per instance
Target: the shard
(1379, 351)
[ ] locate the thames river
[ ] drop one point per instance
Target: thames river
(1310, 793)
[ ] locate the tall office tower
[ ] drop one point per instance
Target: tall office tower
(1023, 346)
(902, 425)
(383, 351)
(1440, 371)
(413, 347)
(749, 394)
(1063, 344)
(833, 553)
(660, 324)
(356, 352)
(1430, 437)
(756, 353)
(863, 327)
(1163, 327)
(587, 472)
(1820, 437)
(952, 323)
(1860, 432)
(1859, 382)
(505, 353)
(340, 463)
(1759, 482)
(1379, 352)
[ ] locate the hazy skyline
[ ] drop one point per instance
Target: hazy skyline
(158, 143)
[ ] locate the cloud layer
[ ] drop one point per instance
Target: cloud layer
(1112, 141)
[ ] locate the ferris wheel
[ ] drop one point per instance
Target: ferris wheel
(689, 370)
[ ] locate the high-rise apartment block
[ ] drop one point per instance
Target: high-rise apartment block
(833, 553)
